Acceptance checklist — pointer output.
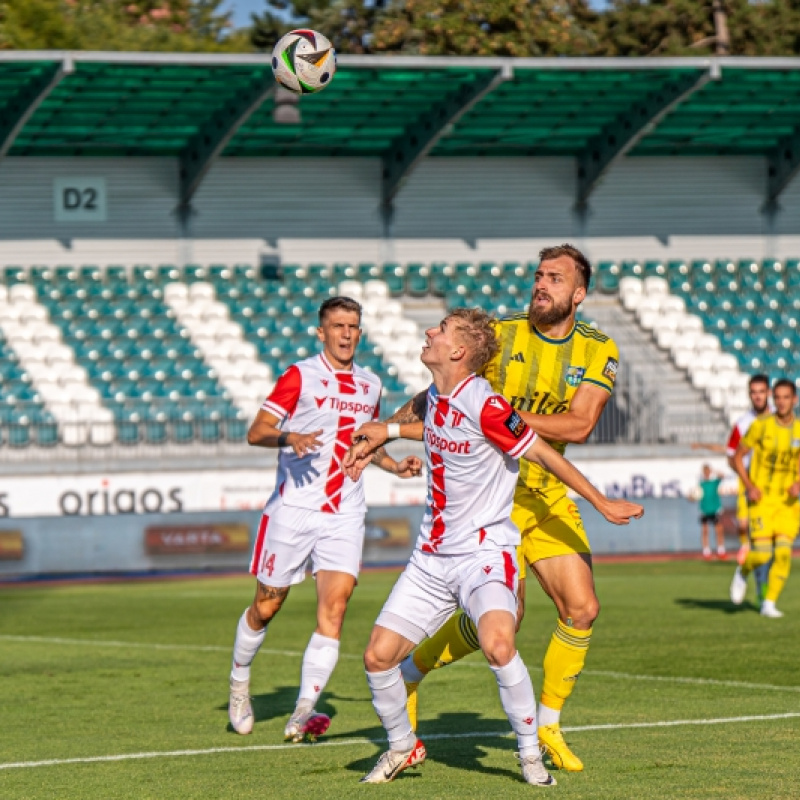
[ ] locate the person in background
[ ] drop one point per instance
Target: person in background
(710, 508)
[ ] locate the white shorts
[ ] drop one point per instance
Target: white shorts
(289, 537)
(432, 587)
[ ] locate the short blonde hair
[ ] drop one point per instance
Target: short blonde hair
(476, 330)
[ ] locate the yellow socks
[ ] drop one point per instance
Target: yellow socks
(779, 571)
(760, 553)
(563, 663)
(457, 638)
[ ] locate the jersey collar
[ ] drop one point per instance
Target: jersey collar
(327, 364)
(554, 341)
(456, 389)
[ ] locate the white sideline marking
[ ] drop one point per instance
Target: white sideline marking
(362, 741)
(296, 654)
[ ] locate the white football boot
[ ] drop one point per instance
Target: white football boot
(533, 770)
(738, 587)
(768, 610)
(240, 712)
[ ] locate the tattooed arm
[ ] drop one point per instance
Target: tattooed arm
(370, 436)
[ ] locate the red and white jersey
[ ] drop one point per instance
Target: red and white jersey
(738, 433)
(473, 440)
(311, 396)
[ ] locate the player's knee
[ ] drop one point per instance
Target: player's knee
(499, 650)
(583, 615)
(377, 659)
(263, 610)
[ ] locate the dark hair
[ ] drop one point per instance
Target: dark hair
(759, 378)
(581, 262)
(785, 382)
(334, 303)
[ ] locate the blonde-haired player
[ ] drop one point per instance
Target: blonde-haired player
(465, 556)
(773, 489)
(558, 374)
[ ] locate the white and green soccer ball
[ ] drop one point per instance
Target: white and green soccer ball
(303, 61)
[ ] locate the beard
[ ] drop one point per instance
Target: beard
(549, 316)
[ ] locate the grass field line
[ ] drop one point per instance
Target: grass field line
(298, 654)
(54, 762)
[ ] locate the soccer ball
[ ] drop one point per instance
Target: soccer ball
(303, 61)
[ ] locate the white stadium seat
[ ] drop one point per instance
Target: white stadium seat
(351, 289)
(376, 290)
(655, 285)
(8, 313)
(173, 291)
(22, 292)
(201, 291)
(32, 312)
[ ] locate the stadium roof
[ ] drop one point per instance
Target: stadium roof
(402, 109)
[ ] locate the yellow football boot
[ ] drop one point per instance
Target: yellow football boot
(411, 703)
(552, 740)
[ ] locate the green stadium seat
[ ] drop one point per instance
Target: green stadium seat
(417, 279)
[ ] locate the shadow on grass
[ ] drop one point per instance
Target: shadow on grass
(465, 753)
(280, 702)
(725, 606)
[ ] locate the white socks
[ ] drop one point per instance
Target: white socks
(319, 660)
(245, 648)
(548, 716)
(519, 703)
(389, 701)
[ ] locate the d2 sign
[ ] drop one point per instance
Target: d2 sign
(79, 199)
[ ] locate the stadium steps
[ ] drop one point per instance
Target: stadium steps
(56, 398)
(684, 415)
(221, 343)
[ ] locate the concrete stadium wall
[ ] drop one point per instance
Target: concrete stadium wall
(70, 545)
(318, 209)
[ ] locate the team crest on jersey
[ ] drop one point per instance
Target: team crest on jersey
(610, 369)
(324, 382)
(575, 375)
(364, 387)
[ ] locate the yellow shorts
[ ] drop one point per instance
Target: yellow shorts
(773, 519)
(742, 507)
(549, 523)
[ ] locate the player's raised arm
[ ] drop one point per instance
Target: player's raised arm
(264, 432)
(753, 492)
(620, 512)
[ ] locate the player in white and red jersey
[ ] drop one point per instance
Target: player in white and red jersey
(465, 555)
(759, 399)
(316, 513)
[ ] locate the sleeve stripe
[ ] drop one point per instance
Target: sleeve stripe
(523, 444)
(605, 386)
(275, 409)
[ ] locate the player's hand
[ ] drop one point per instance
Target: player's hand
(409, 467)
(358, 463)
(366, 440)
(754, 494)
(305, 443)
(794, 490)
(621, 512)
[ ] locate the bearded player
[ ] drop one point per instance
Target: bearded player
(558, 374)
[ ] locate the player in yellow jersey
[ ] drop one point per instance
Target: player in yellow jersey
(773, 489)
(559, 374)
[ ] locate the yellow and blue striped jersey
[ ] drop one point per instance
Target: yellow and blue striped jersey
(541, 375)
(776, 455)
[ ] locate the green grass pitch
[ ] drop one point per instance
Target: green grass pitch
(141, 668)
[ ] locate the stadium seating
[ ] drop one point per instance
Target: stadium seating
(158, 353)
